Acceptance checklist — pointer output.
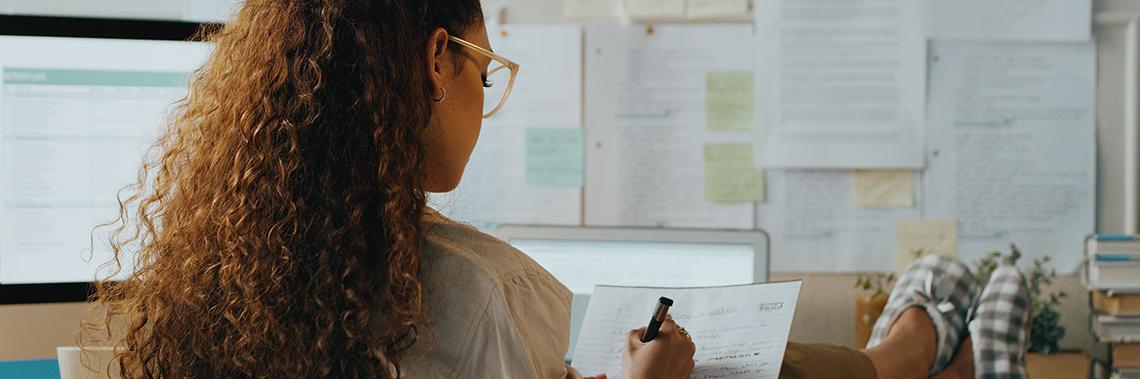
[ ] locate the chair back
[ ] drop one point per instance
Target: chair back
(90, 364)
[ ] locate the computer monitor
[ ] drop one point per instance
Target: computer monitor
(583, 257)
(80, 102)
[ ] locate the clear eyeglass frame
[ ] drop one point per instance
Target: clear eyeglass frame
(505, 64)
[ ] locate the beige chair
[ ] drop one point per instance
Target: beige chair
(90, 364)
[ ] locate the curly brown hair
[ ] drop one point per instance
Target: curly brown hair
(276, 231)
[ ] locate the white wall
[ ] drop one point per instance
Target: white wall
(826, 307)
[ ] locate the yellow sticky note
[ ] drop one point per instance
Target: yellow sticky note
(730, 101)
(930, 236)
(882, 188)
(730, 174)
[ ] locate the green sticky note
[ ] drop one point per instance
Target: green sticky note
(730, 174)
(730, 101)
(554, 157)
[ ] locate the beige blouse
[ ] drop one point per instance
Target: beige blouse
(495, 313)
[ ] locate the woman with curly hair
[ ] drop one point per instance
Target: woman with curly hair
(281, 231)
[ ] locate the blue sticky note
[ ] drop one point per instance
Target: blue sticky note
(32, 369)
(554, 157)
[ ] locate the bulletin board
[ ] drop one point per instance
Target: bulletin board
(855, 134)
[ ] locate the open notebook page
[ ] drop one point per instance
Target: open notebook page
(740, 331)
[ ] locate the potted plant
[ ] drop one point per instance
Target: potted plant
(870, 303)
(1045, 359)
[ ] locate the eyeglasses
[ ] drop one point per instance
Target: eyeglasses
(504, 72)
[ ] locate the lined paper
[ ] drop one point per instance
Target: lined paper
(1012, 148)
(646, 102)
(740, 331)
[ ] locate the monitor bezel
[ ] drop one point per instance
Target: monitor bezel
(758, 238)
(80, 27)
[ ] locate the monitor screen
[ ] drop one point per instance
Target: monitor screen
(76, 118)
(580, 265)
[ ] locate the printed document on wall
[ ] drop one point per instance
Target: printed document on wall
(1023, 20)
(815, 225)
(1012, 151)
(654, 99)
(842, 83)
(527, 166)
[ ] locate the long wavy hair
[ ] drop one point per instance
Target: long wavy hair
(276, 230)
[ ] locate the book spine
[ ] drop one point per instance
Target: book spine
(1116, 258)
(1115, 237)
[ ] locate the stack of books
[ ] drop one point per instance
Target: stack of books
(1126, 361)
(1114, 262)
(1113, 277)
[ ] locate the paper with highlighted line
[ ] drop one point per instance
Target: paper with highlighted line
(740, 331)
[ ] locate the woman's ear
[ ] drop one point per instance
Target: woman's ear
(436, 54)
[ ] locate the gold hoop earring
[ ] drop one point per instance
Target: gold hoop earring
(441, 97)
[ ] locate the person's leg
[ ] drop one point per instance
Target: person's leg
(906, 352)
(909, 348)
(935, 293)
(918, 334)
(825, 361)
(962, 367)
(909, 351)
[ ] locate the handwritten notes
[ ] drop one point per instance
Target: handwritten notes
(645, 123)
(730, 101)
(883, 188)
(730, 174)
(816, 227)
(1011, 152)
(930, 236)
(554, 157)
(740, 331)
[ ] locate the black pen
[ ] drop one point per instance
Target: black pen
(663, 305)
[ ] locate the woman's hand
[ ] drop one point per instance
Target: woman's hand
(668, 356)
